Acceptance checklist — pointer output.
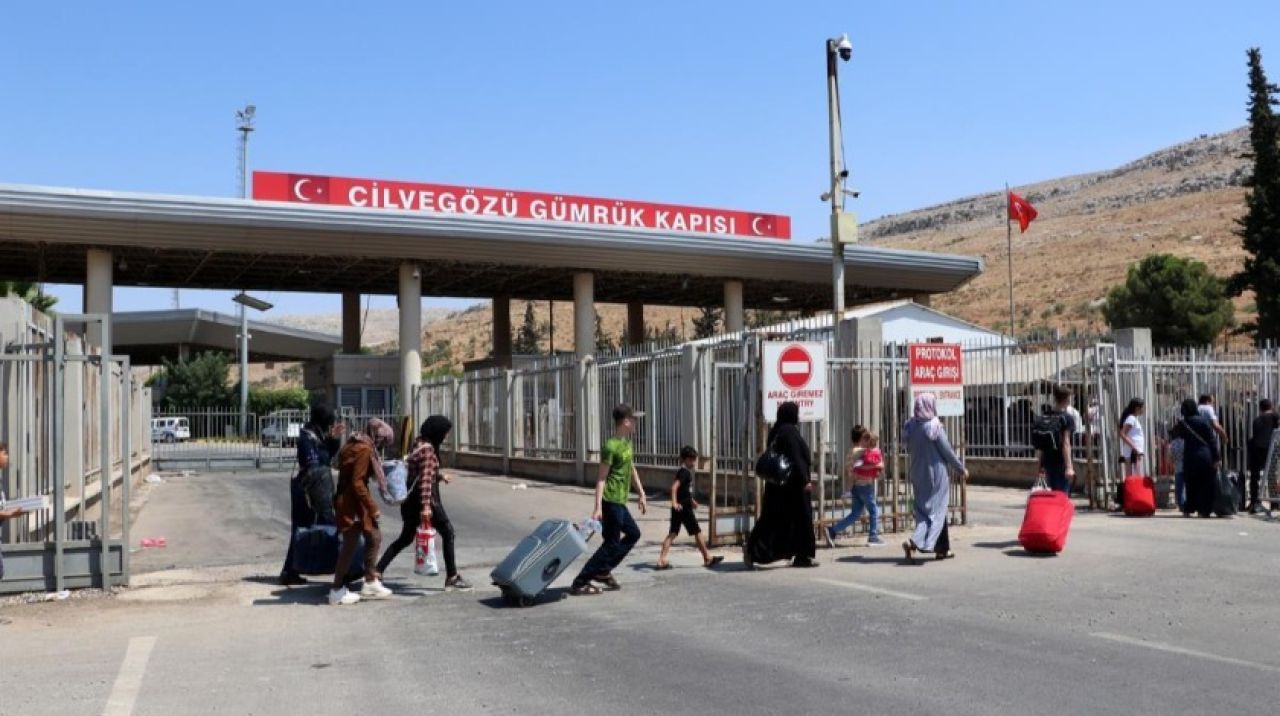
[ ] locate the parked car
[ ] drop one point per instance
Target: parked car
(170, 429)
(163, 435)
(281, 429)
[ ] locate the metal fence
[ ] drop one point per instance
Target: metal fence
(212, 440)
(73, 420)
(707, 394)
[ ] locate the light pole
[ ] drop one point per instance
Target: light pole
(843, 230)
(246, 302)
(244, 125)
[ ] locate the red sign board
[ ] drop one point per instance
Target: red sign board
(938, 368)
(795, 367)
(537, 206)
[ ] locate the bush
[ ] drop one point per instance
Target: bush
(1182, 303)
(264, 401)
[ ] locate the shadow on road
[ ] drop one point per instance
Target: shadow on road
(550, 596)
(314, 594)
(997, 545)
(896, 561)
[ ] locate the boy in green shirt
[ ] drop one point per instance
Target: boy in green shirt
(618, 530)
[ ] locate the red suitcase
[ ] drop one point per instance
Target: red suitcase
(1046, 522)
(1139, 496)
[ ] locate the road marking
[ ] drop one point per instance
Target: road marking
(874, 590)
(1171, 649)
(124, 694)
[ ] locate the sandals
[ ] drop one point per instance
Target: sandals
(610, 584)
(662, 567)
(713, 562)
(909, 549)
(944, 555)
(585, 590)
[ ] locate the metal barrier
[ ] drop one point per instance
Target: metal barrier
(210, 439)
(707, 394)
(71, 419)
(546, 411)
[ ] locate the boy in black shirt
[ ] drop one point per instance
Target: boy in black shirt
(683, 508)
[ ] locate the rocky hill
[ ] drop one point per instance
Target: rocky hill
(380, 324)
(1091, 228)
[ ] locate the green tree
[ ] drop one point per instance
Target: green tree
(29, 292)
(764, 319)
(667, 335)
(1259, 229)
(264, 401)
(603, 341)
(199, 382)
(529, 336)
(706, 322)
(1178, 299)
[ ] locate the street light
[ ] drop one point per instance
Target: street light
(843, 226)
(244, 125)
(246, 302)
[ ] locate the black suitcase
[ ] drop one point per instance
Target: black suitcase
(1226, 493)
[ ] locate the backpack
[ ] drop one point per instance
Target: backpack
(1046, 432)
(398, 485)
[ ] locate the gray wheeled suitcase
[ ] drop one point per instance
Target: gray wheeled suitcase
(537, 561)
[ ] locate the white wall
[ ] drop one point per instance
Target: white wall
(913, 323)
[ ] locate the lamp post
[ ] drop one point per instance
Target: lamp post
(244, 125)
(246, 302)
(837, 47)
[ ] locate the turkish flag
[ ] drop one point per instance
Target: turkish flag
(1022, 210)
(308, 189)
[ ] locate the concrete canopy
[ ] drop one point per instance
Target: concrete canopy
(201, 242)
(148, 336)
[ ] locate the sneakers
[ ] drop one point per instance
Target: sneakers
(458, 583)
(343, 597)
(830, 534)
(875, 542)
(373, 589)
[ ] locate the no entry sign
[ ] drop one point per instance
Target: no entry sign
(938, 368)
(795, 372)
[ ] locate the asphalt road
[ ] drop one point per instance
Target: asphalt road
(1155, 616)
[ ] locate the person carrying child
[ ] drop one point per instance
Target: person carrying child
(683, 512)
(863, 466)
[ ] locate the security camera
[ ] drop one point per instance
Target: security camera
(844, 173)
(844, 47)
(826, 195)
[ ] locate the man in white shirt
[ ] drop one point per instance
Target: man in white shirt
(1210, 413)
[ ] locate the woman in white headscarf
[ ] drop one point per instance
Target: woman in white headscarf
(931, 461)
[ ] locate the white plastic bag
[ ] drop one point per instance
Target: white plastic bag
(397, 490)
(424, 561)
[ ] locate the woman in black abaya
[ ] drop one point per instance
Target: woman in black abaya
(784, 529)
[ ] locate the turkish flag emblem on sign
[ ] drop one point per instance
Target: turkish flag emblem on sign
(309, 189)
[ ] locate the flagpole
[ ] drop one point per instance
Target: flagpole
(1004, 352)
(1008, 230)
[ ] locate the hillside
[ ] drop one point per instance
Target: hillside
(467, 334)
(380, 324)
(1092, 227)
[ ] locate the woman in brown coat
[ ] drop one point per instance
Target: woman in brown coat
(356, 512)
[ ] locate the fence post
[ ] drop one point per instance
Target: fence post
(691, 394)
(505, 397)
(580, 417)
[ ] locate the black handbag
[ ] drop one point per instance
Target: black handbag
(1226, 493)
(773, 466)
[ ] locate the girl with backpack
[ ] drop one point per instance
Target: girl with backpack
(423, 504)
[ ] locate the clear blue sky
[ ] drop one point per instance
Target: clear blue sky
(710, 103)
